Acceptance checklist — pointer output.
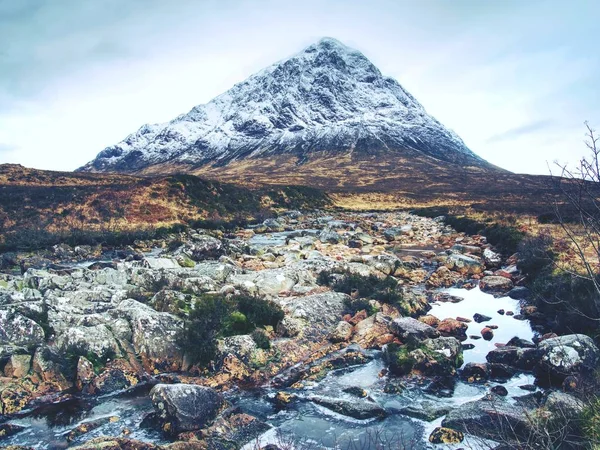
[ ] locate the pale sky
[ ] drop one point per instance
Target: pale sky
(516, 79)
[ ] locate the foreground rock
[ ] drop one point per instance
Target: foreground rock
(184, 407)
(567, 355)
(490, 418)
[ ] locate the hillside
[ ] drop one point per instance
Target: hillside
(37, 204)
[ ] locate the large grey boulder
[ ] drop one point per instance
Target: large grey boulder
(566, 355)
(266, 282)
(320, 312)
(97, 340)
(411, 330)
(18, 330)
(185, 407)
(154, 335)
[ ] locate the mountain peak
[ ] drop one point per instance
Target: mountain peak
(327, 98)
(330, 43)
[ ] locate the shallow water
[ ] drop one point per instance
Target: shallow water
(48, 427)
(476, 301)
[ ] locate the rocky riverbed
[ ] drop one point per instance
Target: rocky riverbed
(448, 354)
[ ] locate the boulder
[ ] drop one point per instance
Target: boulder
(373, 332)
(204, 247)
(442, 435)
(18, 330)
(185, 407)
(154, 335)
(442, 277)
(290, 326)
(241, 346)
(479, 318)
(563, 405)
(491, 258)
(319, 312)
(97, 340)
(342, 332)
(474, 372)
(330, 237)
(430, 320)
(487, 333)
(161, 263)
(489, 418)
(411, 330)
(452, 327)
(520, 358)
(519, 293)
(566, 355)
(428, 411)
(17, 366)
(46, 363)
(85, 373)
(493, 283)
(461, 248)
(463, 264)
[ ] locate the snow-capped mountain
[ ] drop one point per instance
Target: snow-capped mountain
(328, 98)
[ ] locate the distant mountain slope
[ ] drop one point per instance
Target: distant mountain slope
(40, 207)
(328, 100)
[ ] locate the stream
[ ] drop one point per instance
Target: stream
(305, 422)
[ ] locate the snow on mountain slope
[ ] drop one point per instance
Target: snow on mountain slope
(327, 98)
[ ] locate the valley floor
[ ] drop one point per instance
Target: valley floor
(351, 330)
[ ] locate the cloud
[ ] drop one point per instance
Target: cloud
(517, 132)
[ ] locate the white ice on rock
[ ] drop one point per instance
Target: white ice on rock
(328, 97)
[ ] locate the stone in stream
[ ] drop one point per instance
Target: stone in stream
(411, 330)
(519, 293)
(428, 411)
(487, 333)
(452, 327)
(442, 435)
(520, 358)
(465, 265)
(185, 407)
(475, 372)
(356, 391)
(479, 318)
(520, 342)
(358, 410)
(495, 283)
(499, 390)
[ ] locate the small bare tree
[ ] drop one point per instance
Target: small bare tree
(579, 213)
